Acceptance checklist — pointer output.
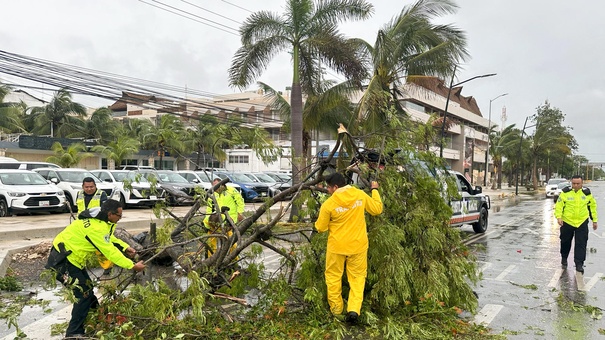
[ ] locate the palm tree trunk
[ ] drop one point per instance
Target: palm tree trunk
(535, 175)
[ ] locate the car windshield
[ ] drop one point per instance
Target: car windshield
(131, 176)
(554, 181)
(265, 178)
(563, 185)
(171, 177)
(241, 178)
(203, 176)
(76, 176)
(22, 178)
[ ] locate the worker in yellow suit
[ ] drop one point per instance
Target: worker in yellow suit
(225, 197)
(342, 215)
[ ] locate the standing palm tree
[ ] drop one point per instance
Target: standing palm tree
(207, 137)
(323, 111)
(69, 157)
(118, 150)
(309, 31)
(99, 126)
(502, 142)
(58, 118)
(165, 136)
(408, 48)
(11, 115)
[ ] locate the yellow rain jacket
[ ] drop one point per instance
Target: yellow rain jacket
(229, 198)
(84, 237)
(343, 216)
(572, 206)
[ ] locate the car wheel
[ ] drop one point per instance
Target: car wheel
(3, 208)
(122, 201)
(481, 225)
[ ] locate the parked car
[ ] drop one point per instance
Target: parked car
(70, 180)
(138, 192)
(279, 176)
(251, 191)
(26, 165)
(137, 167)
(202, 178)
(178, 190)
(552, 184)
(472, 207)
(27, 191)
(275, 187)
(559, 189)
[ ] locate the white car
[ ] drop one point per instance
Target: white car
(552, 184)
(559, 189)
(24, 191)
(203, 178)
(137, 192)
(70, 180)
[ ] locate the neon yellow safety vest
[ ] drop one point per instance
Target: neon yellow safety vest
(95, 201)
(573, 206)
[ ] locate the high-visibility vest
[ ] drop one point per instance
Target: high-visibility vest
(95, 201)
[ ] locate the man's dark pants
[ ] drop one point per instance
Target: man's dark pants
(83, 291)
(580, 234)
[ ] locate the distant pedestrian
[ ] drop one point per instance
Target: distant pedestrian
(574, 207)
(342, 215)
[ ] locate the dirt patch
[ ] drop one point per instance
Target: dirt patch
(27, 265)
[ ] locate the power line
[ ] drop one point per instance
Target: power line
(207, 10)
(234, 5)
(201, 22)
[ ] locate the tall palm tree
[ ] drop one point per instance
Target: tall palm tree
(69, 157)
(165, 136)
(309, 31)
(323, 111)
(501, 143)
(99, 126)
(408, 48)
(208, 136)
(118, 150)
(11, 114)
(60, 117)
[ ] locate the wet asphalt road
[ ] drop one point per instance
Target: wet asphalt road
(524, 292)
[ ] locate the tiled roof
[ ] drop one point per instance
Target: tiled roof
(437, 85)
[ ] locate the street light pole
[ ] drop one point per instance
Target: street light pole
(447, 101)
(489, 128)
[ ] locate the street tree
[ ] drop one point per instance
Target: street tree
(118, 150)
(411, 48)
(70, 156)
(550, 135)
(166, 136)
(59, 118)
(503, 143)
(309, 31)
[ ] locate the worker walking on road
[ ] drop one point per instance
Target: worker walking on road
(342, 215)
(74, 245)
(572, 210)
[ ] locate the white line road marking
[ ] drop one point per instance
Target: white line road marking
(555, 278)
(487, 314)
(477, 236)
(505, 272)
(532, 231)
(485, 266)
(593, 280)
(597, 235)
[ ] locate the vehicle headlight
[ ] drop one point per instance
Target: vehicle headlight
(60, 193)
(16, 194)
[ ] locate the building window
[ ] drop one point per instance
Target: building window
(414, 106)
(239, 159)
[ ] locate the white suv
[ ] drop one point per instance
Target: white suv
(138, 192)
(24, 190)
(551, 186)
(70, 180)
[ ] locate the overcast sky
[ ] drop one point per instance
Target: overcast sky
(540, 49)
